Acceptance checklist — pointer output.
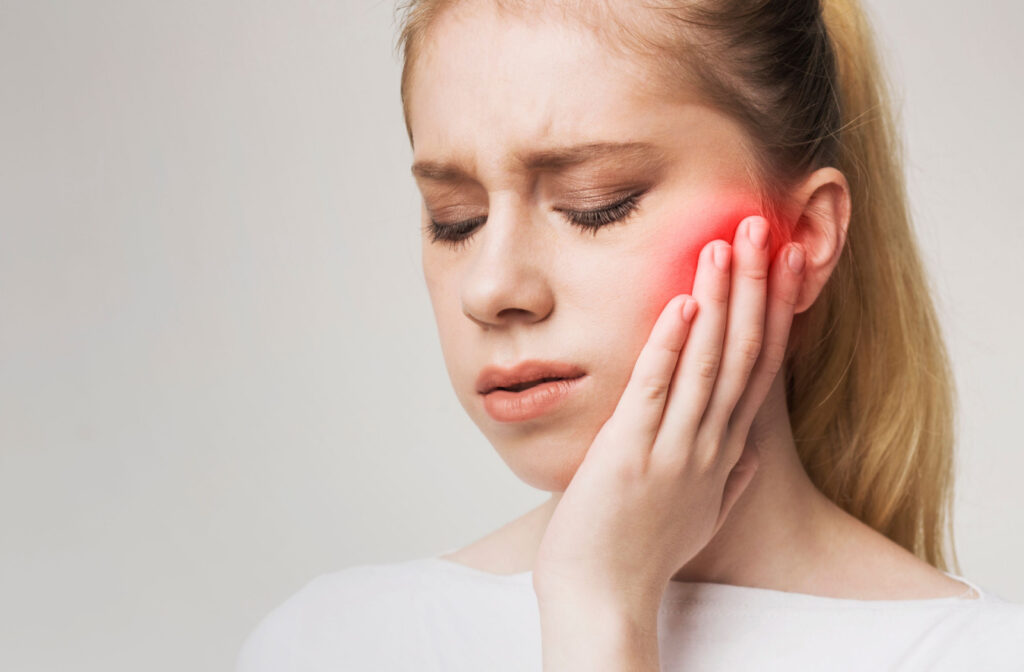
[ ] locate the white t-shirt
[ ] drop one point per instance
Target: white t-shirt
(431, 614)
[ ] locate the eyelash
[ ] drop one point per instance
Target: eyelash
(456, 235)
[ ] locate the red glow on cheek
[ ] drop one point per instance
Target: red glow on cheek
(689, 229)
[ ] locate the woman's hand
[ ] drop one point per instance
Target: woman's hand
(665, 469)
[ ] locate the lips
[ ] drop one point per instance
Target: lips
(524, 375)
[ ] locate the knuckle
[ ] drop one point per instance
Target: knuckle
(668, 348)
(720, 295)
(749, 349)
(654, 389)
(788, 292)
(707, 366)
(707, 454)
(704, 461)
(774, 355)
(629, 470)
(792, 296)
(757, 272)
(677, 462)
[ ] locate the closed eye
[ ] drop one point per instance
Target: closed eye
(456, 234)
(592, 220)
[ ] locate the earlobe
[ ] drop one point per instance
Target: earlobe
(824, 215)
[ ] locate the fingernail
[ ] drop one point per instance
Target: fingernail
(795, 259)
(721, 254)
(689, 308)
(757, 232)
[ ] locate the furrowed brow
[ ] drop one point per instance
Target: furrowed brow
(562, 157)
(552, 159)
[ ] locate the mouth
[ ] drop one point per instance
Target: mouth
(525, 386)
(531, 399)
(525, 375)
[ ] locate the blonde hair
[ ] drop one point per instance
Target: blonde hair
(869, 386)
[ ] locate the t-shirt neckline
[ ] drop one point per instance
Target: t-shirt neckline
(724, 594)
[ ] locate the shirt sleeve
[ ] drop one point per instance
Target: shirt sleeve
(360, 618)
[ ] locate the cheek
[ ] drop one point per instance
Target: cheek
(685, 233)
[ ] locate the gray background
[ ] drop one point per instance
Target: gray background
(219, 370)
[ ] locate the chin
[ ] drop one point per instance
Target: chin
(546, 452)
(546, 462)
(551, 474)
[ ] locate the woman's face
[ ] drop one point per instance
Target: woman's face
(515, 124)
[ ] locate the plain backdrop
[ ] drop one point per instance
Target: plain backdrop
(219, 370)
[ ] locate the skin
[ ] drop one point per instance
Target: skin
(529, 284)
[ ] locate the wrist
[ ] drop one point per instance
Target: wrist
(585, 632)
(611, 617)
(636, 602)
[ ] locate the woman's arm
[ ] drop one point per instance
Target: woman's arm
(583, 633)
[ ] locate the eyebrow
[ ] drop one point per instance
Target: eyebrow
(551, 159)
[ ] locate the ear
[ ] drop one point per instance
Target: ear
(823, 203)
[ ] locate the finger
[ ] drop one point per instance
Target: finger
(699, 361)
(745, 331)
(738, 480)
(784, 291)
(642, 403)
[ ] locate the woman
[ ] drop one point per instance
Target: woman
(669, 255)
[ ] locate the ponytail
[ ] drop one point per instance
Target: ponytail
(871, 391)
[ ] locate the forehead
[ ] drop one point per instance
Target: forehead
(496, 84)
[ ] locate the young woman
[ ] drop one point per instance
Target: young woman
(669, 255)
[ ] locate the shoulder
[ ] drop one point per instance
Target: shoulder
(340, 615)
(987, 635)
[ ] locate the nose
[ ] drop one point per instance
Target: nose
(508, 279)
